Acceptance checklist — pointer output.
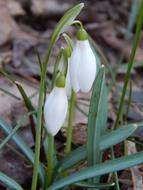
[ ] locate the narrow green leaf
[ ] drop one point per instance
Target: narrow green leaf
(135, 5)
(116, 136)
(104, 110)
(80, 109)
(67, 20)
(10, 182)
(19, 124)
(26, 99)
(95, 185)
(80, 154)
(139, 131)
(130, 64)
(23, 147)
(68, 40)
(9, 77)
(9, 93)
(72, 159)
(38, 58)
(100, 169)
(95, 119)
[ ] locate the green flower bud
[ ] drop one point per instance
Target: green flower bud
(60, 81)
(68, 51)
(82, 34)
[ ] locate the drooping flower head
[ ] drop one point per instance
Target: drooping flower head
(56, 106)
(82, 64)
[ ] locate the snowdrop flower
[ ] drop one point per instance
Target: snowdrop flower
(56, 106)
(82, 64)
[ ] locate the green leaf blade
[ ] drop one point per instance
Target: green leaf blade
(116, 136)
(67, 20)
(95, 185)
(96, 121)
(72, 159)
(100, 169)
(23, 147)
(10, 182)
(26, 99)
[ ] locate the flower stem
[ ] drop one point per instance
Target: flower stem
(39, 118)
(50, 160)
(126, 79)
(69, 129)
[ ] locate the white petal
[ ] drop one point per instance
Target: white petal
(74, 68)
(55, 110)
(87, 66)
(68, 83)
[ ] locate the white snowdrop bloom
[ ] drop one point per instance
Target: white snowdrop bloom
(55, 109)
(82, 64)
